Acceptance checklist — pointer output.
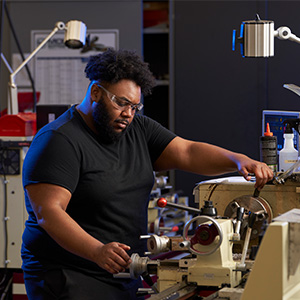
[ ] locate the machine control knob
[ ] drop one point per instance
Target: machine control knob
(162, 202)
(205, 234)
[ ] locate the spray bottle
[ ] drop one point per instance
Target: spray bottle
(288, 155)
(268, 149)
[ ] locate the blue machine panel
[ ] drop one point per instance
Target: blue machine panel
(275, 119)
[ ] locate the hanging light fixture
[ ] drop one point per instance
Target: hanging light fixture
(257, 37)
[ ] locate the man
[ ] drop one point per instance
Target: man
(87, 179)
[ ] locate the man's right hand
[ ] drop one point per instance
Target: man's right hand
(49, 203)
(113, 257)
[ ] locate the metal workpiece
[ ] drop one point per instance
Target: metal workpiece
(138, 266)
(157, 244)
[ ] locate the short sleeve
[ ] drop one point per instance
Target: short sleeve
(158, 137)
(52, 158)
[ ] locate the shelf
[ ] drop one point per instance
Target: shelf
(155, 30)
(156, 53)
(160, 82)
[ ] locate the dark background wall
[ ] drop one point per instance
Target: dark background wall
(219, 96)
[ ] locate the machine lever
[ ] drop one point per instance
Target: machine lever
(256, 193)
(170, 229)
(251, 220)
(239, 218)
(240, 213)
(162, 202)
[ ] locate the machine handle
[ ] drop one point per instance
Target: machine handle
(239, 219)
(240, 213)
(162, 202)
(170, 229)
(251, 220)
(202, 219)
(256, 193)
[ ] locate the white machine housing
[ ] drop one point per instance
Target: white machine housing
(14, 218)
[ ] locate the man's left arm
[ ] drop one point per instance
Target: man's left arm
(207, 159)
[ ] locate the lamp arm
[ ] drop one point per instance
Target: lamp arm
(13, 104)
(58, 26)
(285, 33)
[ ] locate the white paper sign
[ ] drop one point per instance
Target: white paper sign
(59, 71)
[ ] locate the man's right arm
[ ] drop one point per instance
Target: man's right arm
(49, 203)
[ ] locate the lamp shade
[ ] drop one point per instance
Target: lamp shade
(75, 34)
(258, 38)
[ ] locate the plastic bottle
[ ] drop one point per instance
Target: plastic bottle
(268, 149)
(288, 155)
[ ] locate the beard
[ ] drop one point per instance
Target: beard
(102, 121)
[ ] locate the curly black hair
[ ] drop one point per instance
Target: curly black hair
(112, 66)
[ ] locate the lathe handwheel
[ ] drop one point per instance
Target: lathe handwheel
(202, 219)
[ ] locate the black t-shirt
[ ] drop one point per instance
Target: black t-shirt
(110, 186)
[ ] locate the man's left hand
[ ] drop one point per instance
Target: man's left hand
(261, 171)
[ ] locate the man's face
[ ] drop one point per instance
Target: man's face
(112, 120)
